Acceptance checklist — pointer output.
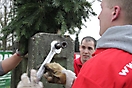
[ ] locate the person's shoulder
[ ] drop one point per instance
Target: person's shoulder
(109, 55)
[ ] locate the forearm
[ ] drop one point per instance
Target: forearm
(10, 63)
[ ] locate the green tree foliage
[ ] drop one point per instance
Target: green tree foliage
(33, 16)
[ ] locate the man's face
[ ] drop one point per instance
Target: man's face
(86, 50)
(104, 17)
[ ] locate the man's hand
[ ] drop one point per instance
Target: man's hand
(21, 47)
(55, 73)
(29, 83)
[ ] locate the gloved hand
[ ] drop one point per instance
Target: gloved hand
(55, 73)
(30, 83)
(21, 47)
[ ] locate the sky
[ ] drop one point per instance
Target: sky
(92, 24)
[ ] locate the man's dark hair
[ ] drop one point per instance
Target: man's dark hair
(89, 38)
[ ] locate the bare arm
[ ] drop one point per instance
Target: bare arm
(10, 63)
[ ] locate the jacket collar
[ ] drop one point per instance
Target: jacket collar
(117, 37)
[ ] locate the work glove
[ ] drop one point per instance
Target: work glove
(55, 73)
(31, 82)
(21, 48)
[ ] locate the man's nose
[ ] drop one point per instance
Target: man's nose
(86, 51)
(98, 16)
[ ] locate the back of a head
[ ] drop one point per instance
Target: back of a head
(126, 8)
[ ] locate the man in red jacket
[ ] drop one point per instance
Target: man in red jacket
(86, 48)
(111, 65)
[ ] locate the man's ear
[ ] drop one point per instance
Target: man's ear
(116, 12)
